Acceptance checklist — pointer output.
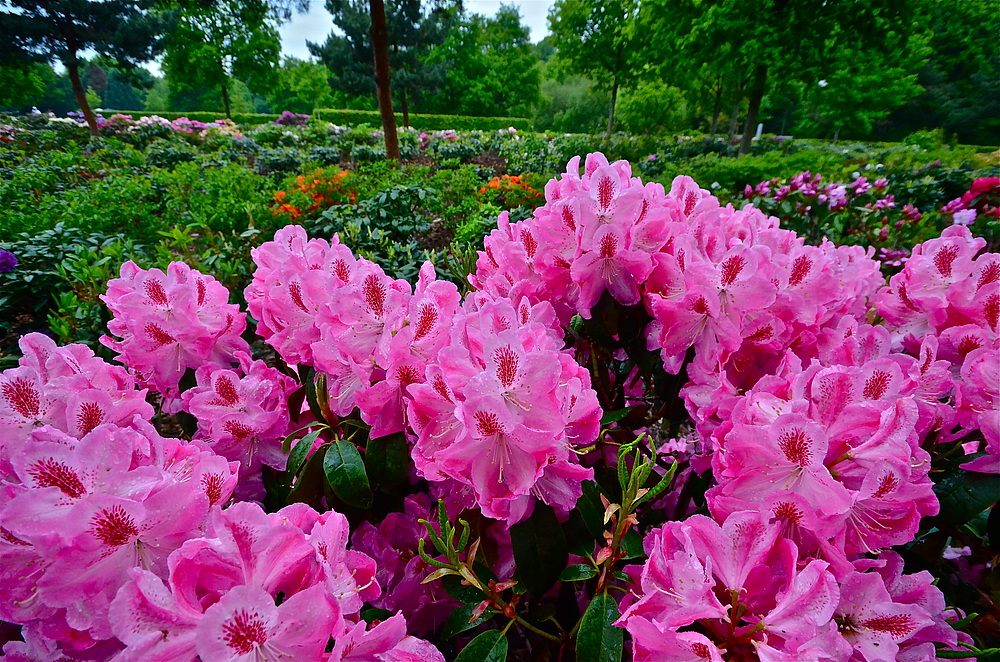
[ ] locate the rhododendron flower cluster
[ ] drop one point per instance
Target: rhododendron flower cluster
(751, 597)
(809, 404)
(89, 491)
(243, 415)
(219, 600)
(502, 408)
(168, 323)
(475, 385)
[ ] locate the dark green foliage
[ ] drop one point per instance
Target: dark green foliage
(413, 28)
(425, 122)
(492, 67)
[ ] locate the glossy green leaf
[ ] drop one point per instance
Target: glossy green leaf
(599, 640)
(964, 494)
(540, 550)
(369, 615)
(387, 459)
(576, 573)
(591, 509)
(345, 473)
(458, 621)
(490, 646)
(299, 453)
(632, 545)
(615, 416)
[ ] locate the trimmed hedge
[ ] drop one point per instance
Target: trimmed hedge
(198, 116)
(425, 122)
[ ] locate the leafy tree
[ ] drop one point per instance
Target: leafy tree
(599, 39)
(764, 39)
(492, 67)
(653, 108)
(215, 42)
(124, 93)
(572, 105)
(301, 87)
(413, 29)
(22, 86)
(860, 90)
(961, 79)
(59, 30)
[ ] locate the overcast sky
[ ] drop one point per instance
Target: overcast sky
(317, 24)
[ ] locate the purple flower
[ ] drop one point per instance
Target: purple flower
(7, 261)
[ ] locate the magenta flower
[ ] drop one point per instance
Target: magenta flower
(245, 626)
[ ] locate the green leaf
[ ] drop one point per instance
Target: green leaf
(286, 443)
(464, 593)
(490, 646)
(632, 545)
(297, 457)
(308, 375)
(308, 486)
(576, 573)
(615, 416)
(540, 550)
(964, 494)
(598, 639)
(591, 509)
(458, 621)
(345, 473)
(387, 459)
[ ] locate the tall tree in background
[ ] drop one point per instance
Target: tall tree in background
(215, 42)
(301, 87)
(600, 39)
(492, 68)
(961, 80)
(127, 31)
(861, 88)
(765, 37)
(413, 28)
(380, 53)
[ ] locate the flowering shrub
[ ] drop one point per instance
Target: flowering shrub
(511, 191)
(856, 212)
(323, 189)
(8, 261)
(288, 118)
(653, 415)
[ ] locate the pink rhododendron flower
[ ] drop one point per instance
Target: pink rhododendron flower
(167, 323)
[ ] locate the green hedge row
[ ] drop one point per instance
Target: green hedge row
(425, 122)
(198, 116)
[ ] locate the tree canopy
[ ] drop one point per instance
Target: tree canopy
(599, 39)
(216, 42)
(125, 31)
(413, 29)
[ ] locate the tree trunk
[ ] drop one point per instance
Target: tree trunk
(73, 69)
(225, 99)
(757, 89)
(836, 134)
(380, 46)
(614, 99)
(734, 122)
(406, 107)
(716, 111)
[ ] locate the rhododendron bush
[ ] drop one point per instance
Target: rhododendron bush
(655, 427)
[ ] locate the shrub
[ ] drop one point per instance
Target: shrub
(424, 122)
